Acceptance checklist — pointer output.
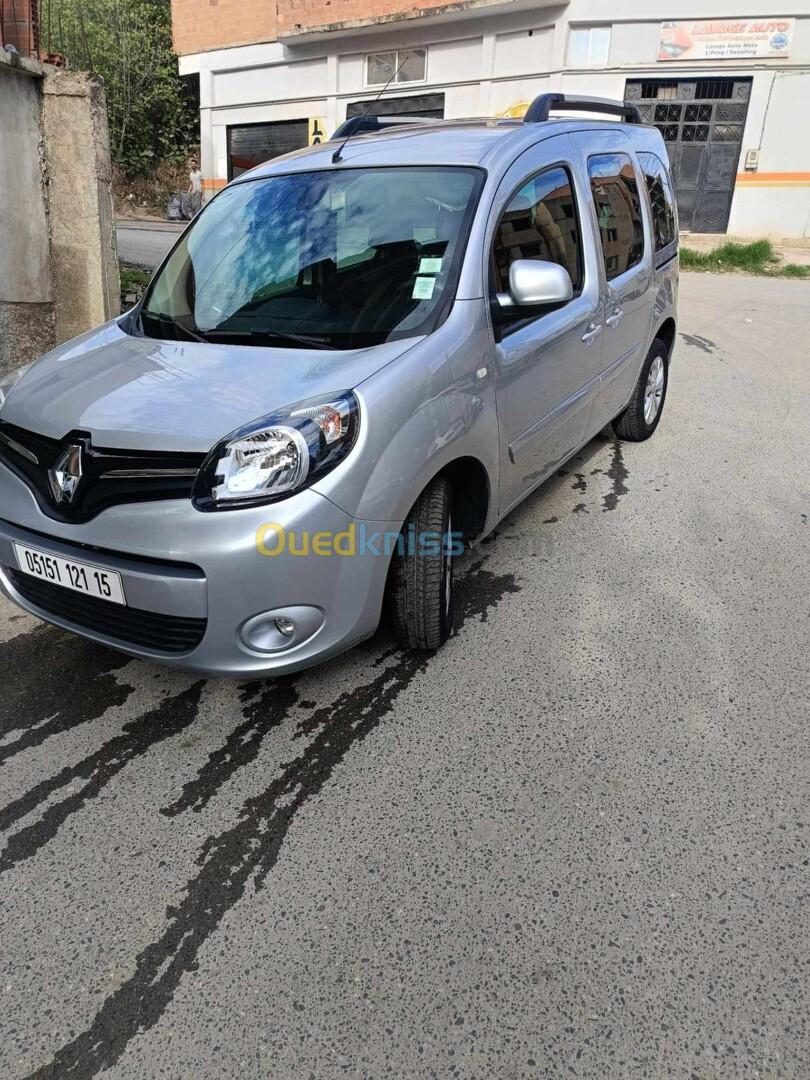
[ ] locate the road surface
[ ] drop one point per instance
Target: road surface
(144, 244)
(574, 843)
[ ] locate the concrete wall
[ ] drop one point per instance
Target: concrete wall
(775, 200)
(26, 307)
(58, 262)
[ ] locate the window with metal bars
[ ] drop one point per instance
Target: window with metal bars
(697, 112)
(663, 91)
(668, 112)
(714, 88)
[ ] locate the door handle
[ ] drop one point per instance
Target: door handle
(590, 334)
(614, 318)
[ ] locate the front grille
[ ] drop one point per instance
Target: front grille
(148, 629)
(109, 477)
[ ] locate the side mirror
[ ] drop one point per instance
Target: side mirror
(532, 283)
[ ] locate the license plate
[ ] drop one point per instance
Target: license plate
(79, 576)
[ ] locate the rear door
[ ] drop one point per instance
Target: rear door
(547, 359)
(617, 205)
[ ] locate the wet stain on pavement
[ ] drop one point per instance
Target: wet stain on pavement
(80, 687)
(580, 484)
(265, 707)
(580, 508)
(251, 847)
(702, 343)
(478, 591)
(618, 474)
(172, 716)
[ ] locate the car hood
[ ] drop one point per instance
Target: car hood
(135, 393)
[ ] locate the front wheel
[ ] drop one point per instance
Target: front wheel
(640, 419)
(421, 589)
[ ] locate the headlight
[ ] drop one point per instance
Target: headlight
(8, 382)
(279, 454)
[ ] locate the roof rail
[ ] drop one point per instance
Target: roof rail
(539, 109)
(363, 124)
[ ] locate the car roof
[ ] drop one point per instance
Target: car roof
(439, 142)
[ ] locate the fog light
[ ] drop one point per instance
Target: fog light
(282, 628)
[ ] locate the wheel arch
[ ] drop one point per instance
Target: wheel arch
(472, 494)
(666, 333)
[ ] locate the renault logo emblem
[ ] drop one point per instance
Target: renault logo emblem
(65, 474)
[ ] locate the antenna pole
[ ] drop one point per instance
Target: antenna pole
(337, 156)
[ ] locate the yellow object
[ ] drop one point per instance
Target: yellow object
(516, 111)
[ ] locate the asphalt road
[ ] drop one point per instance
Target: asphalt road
(573, 843)
(144, 244)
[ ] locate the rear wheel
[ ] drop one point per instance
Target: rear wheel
(421, 589)
(640, 419)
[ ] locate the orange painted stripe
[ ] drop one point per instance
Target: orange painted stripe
(773, 178)
(214, 185)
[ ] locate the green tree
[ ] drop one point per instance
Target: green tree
(153, 113)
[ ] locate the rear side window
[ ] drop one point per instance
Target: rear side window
(541, 223)
(618, 211)
(665, 229)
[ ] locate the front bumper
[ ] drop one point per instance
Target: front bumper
(177, 561)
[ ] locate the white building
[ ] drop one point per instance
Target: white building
(729, 87)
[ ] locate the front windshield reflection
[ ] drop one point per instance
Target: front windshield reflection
(343, 258)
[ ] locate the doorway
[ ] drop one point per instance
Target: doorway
(702, 122)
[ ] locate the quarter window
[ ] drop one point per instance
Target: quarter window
(399, 65)
(618, 211)
(589, 47)
(665, 228)
(541, 223)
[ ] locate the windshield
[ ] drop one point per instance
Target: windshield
(343, 258)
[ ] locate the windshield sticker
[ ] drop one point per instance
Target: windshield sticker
(430, 266)
(423, 288)
(353, 246)
(424, 235)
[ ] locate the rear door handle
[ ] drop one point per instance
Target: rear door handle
(614, 318)
(591, 333)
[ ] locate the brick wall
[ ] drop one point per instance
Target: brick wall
(295, 15)
(19, 26)
(202, 25)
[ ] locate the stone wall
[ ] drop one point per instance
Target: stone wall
(84, 262)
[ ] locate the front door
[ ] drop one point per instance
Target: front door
(617, 206)
(547, 359)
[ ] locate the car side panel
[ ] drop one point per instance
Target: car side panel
(627, 299)
(548, 369)
(432, 406)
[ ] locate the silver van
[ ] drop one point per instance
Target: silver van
(358, 358)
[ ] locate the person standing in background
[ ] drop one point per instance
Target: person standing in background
(195, 186)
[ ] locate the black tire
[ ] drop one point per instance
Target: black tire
(421, 585)
(631, 425)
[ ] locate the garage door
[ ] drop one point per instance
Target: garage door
(702, 122)
(253, 144)
(427, 105)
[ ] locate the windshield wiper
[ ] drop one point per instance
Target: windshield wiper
(172, 320)
(276, 335)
